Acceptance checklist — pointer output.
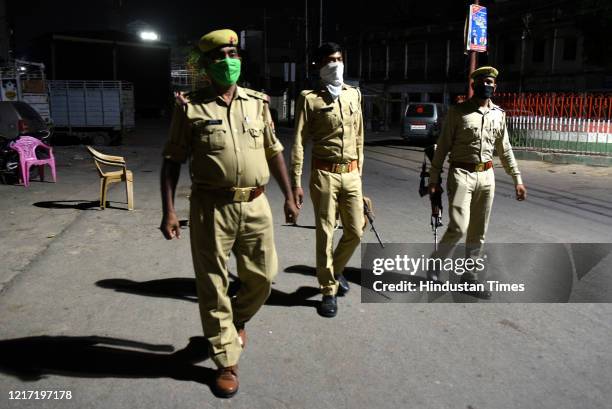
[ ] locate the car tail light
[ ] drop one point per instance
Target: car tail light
(22, 126)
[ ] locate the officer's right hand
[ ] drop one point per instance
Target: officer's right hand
(170, 226)
(291, 212)
(180, 98)
(298, 195)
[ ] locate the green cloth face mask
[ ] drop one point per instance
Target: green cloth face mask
(225, 72)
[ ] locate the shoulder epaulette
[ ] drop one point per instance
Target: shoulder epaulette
(257, 94)
(306, 92)
(196, 96)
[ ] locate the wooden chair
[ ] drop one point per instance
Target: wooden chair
(107, 178)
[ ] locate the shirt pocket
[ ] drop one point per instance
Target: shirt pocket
(209, 137)
(472, 132)
(497, 129)
(492, 132)
(255, 132)
(328, 120)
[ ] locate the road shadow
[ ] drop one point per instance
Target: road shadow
(79, 205)
(33, 358)
(180, 288)
(299, 226)
(184, 288)
(352, 274)
(69, 204)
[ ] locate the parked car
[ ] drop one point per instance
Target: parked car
(19, 118)
(422, 121)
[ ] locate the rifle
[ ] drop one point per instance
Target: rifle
(436, 198)
(367, 210)
(436, 214)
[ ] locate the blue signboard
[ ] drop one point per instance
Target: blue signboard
(476, 35)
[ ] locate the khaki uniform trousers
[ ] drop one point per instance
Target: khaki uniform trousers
(330, 192)
(470, 198)
(218, 226)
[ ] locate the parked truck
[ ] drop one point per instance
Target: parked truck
(96, 111)
(111, 56)
(25, 81)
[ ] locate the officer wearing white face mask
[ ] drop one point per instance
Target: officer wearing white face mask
(330, 117)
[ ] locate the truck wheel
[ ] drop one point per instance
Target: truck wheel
(116, 137)
(100, 138)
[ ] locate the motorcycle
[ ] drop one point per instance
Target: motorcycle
(9, 162)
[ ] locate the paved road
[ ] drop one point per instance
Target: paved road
(97, 303)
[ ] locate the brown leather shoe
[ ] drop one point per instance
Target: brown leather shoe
(243, 337)
(227, 381)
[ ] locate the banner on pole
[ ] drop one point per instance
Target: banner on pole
(476, 29)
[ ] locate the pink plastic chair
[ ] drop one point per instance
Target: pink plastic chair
(26, 147)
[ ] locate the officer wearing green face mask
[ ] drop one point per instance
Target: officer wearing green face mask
(471, 132)
(227, 134)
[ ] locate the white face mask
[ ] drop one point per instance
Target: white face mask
(331, 76)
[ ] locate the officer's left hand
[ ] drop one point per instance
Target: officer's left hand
(291, 212)
(521, 192)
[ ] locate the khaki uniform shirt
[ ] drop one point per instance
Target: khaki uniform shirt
(470, 134)
(335, 128)
(228, 146)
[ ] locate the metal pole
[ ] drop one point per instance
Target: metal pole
(554, 52)
(320, 22)
(446, 96)
(473, 61)
(426, 66)
(405, 59)
(265, 52)
(360, 56)
(306, 37)
(526, 19)
(370, 62)
(387, 62)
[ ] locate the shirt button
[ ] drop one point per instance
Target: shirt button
(239, 172)
(237, 149)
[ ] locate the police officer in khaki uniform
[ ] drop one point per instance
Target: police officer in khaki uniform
(471, 132)
(227, 133)
(330, 117)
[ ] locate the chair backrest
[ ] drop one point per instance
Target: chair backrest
(100, 158)
(26, 146)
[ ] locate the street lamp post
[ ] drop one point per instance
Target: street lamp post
(526, 21)
(306, 39)
(473, 62)
(320, 22)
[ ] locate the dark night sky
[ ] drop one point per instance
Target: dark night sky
(190, 19)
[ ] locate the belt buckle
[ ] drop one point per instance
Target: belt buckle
(342, 168)
(479, 167)
(241, 194)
